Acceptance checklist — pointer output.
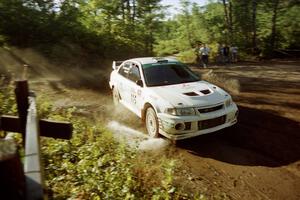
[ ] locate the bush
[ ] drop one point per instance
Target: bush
(92, 165)
(187, 56)
(7, 97)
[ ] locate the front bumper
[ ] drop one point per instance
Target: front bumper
(191, 126)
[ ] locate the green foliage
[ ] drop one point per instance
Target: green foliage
(208, 24)
(92, 165)
(108, 28)
(191, 25)
(291, 28)
(121, 29)
(167, 190)
(7, 98)
(8, 105)
(187, 56)
(286, 29)
(89, 166)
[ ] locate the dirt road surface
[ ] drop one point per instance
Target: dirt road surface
(259, 158)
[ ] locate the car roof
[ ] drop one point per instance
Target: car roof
(151, 60)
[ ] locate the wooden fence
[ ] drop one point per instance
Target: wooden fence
(25, 181)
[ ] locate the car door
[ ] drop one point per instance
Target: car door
(135, 90)
(122, 83)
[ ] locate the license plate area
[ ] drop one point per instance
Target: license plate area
(210, 123)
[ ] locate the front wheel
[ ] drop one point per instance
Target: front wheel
(151, 122)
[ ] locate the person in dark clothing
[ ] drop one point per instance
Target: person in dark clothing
(226, 54)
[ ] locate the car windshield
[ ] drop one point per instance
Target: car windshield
(168, 74)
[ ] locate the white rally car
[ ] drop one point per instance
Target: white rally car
(170, 98)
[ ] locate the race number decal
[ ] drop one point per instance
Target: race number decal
(133, 98)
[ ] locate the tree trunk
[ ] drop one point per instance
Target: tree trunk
(133, 11)
(231, 36)
(123, 11)
(128, 11)
(187, 21)
(228, 19)
(274, 28)
(188, 29)
(254, 34)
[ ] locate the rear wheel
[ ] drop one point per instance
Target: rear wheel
(151, 122)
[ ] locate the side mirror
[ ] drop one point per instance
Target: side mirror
(114, 66)
(139, 82)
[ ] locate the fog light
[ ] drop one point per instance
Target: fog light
(179, 126)
(187, 125)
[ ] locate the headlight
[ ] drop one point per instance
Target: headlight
(171, 111)
(180, 111)
(228, 102)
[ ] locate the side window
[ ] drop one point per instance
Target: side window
(124, 70)
(134, 73)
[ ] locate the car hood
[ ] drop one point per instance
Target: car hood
(195, 94)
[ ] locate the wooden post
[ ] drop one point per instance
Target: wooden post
(12, 179)
(22, 94)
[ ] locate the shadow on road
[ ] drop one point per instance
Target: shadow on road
(259, 139)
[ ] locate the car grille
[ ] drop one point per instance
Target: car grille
(205, 124)
(211, 109)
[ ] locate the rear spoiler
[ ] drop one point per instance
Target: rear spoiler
(116, 64)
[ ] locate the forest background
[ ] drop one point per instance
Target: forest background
(90, 30)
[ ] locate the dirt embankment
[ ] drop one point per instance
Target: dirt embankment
(259, 158)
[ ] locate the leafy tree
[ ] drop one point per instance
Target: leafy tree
(149, 13)
(127, 28)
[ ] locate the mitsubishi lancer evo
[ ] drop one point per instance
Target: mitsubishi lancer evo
(170, 98)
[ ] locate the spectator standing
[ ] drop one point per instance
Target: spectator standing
(219, 58)
(234, 53)
(226, 53)
(204, 52)
(197, 52)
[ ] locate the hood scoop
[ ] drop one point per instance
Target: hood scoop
(192, 94)
(207, 91)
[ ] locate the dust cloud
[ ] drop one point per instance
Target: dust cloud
(230, 84)
(12, 60)
(73, 71)
(136, 139)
